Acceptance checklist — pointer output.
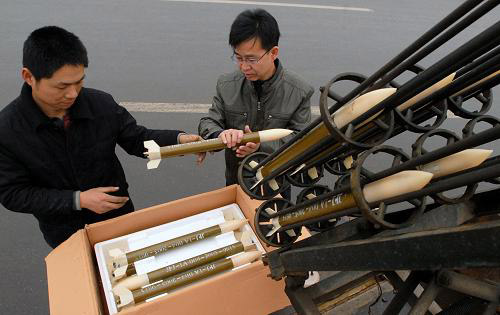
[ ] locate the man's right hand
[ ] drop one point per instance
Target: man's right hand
(231, 137)
(98, 201)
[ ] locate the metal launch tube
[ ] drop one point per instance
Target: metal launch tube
(431, 34)
(389, 187)
(341, 118)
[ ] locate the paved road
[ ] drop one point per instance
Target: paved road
(172, 51)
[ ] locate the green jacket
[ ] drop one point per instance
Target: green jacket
(284, 103)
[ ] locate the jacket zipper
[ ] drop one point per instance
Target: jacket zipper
(259, 117)
(257, 114)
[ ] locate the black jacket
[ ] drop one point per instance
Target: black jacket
(42, 164)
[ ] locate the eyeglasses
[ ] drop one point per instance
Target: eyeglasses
(237, 59)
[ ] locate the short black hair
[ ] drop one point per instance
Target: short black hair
(49, 48)
(257, 23)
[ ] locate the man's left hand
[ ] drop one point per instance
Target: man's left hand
(186, 138)
(248, 148)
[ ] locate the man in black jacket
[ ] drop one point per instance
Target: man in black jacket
(58, 139)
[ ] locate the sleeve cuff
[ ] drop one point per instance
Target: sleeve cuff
(215, 134)
(179, 137)
(76, 201)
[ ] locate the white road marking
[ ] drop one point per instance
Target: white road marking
(177, 107)
(278, 4)
(166, 107)
(192, 108)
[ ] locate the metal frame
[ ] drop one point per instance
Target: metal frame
(358, 251)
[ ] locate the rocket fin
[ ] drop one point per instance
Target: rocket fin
(153, 164)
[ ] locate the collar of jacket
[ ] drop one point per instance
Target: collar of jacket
(269, 85)
(37, 118)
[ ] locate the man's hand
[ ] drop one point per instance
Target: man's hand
(98, 201)
(248, 148)
(185, 138)
(231, 137)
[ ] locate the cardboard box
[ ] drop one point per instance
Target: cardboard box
(74, 284)
(169, 231)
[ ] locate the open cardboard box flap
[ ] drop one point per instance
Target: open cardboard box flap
(171, 211)
(73, 276)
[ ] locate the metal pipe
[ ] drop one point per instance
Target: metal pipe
(475, 47)
(478, 61)
(426, 299)
(462, 83)
(454, 30)
(468, 285)
(404, 291)
(451, 18)
(470, 176)
(488, 84)
(488, 169)
(330, 216)
(478, 139)
(481, 71)
(467, 52)
(474, 75)
(470, 142)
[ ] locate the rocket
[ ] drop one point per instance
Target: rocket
(155, 153)
(456, 162)
(342, 117)
(119, 258)
(350, 115)
(385, 188)
(125, 297)
(134, 281)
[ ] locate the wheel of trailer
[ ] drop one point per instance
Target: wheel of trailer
(311, 193)
(264, 226)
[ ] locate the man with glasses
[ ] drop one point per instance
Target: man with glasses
(260, 95)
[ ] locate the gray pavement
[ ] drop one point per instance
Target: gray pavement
(172, 52)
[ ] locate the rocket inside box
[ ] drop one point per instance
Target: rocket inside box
(75, 286)
(178, 260)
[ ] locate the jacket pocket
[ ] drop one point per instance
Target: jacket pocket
(277, 120)
(236, 120)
